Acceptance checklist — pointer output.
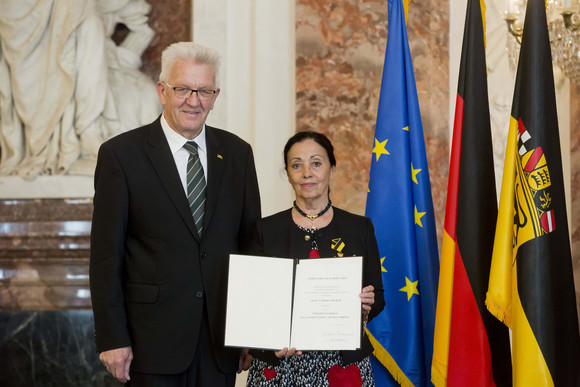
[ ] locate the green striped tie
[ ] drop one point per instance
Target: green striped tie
(195, 185)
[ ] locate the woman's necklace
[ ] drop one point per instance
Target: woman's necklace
(312, 217)
(311, 232)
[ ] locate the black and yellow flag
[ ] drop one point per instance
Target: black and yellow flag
(531, 287)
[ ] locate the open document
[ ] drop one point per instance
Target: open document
(309, 304)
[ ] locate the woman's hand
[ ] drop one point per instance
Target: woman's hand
(367, 297)
(285, 352)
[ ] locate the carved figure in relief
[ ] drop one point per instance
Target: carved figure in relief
(64, 88)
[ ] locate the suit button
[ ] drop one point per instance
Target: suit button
(203, 255)
(199, 294)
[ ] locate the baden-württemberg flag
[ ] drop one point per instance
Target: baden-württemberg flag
(531, 287)
(400, 205)
(471, 346)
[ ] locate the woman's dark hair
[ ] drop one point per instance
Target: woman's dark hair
(320, 139)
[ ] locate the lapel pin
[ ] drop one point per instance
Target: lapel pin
(337, 244)
(220, 156)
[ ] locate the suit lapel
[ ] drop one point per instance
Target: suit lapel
(164, 165)
(216, 162)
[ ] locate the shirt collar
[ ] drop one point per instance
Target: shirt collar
(176, 140)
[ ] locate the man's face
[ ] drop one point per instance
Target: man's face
(187, 115)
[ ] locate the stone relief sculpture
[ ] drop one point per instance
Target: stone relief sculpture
(65, 86)
(133, 92)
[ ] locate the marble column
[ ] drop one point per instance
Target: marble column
(255, 39)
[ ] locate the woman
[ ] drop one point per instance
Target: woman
(313, 228)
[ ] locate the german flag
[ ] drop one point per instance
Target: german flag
(471, 347)
(531, 287)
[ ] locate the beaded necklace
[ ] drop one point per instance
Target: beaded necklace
(312, 217)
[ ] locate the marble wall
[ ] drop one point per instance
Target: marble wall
(340, 52)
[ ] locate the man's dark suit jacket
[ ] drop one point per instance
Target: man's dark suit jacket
(150, 273)
(278, 236)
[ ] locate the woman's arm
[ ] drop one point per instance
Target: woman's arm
(372, 273)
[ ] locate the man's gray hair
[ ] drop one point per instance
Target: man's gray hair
(189, 51)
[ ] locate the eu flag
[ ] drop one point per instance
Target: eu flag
(400, 205)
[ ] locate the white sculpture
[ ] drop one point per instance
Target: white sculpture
(65, 86)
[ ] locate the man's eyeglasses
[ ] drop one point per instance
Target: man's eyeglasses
(186, 92)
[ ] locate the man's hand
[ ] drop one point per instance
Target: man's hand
(117, 362)
(245, 360)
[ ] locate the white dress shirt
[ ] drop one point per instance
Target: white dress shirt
(180, 154)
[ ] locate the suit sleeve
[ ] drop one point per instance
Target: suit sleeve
(252, 206)
(108, 232)
(372, 271)
(256, 247)
(255, 244)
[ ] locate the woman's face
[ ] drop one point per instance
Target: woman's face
(309, 170)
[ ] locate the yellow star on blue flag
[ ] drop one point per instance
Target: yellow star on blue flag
(382, 265)
(410, 288)
(418, 216)
(414, 173)
(380, 149)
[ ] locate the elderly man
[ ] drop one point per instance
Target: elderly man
(172, 200)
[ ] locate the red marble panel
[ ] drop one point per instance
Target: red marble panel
(340, 49)
(171, 21)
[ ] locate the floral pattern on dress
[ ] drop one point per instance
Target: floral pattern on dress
(311, 369)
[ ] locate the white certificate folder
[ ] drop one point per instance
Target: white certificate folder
(308, 304)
